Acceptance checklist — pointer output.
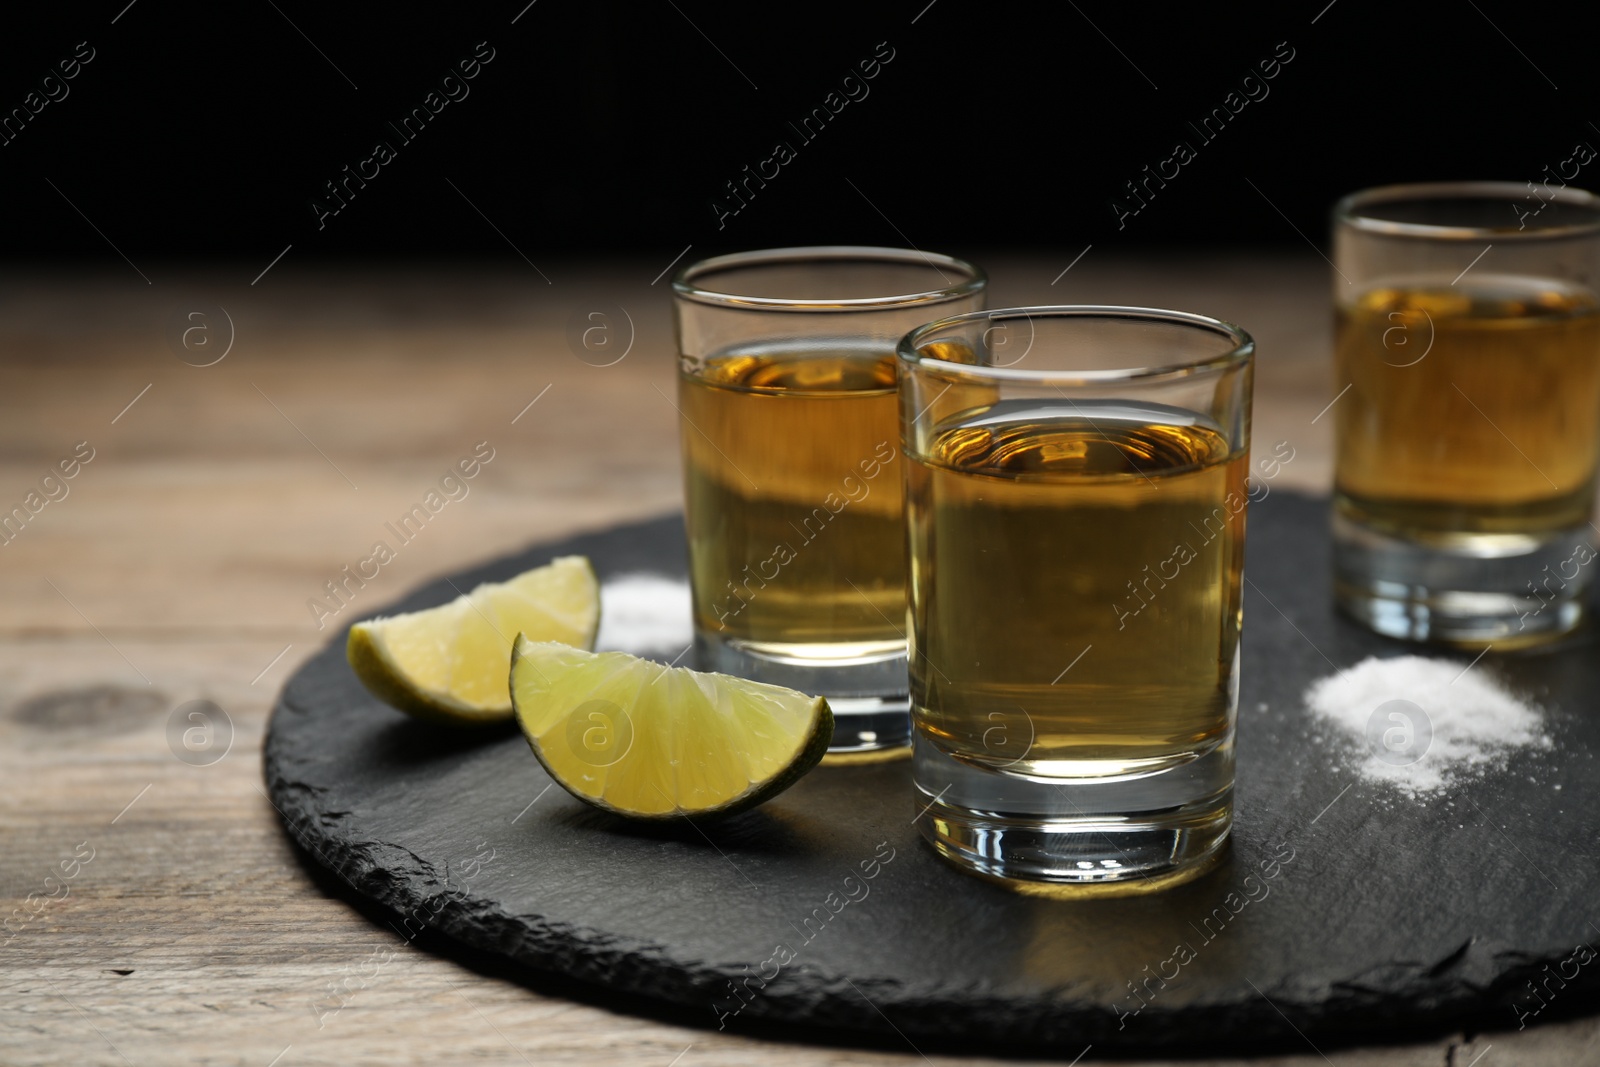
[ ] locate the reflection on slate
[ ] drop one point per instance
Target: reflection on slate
(1346, 914)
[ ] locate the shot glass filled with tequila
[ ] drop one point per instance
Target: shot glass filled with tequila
(1075, 494)
(793, 495)
(1467, 354)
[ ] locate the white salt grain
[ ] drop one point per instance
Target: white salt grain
(1467, 722)
(645, 613)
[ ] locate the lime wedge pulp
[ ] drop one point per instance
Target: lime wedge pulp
(449, 664)
(652, 742)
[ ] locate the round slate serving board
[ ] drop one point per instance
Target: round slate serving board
(1346, 911)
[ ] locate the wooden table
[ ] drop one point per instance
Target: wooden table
(218, 501)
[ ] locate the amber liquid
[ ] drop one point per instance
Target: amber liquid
(795, 503)
(1473, 409)
(1076, 587)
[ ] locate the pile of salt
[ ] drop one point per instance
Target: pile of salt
(1423, 724)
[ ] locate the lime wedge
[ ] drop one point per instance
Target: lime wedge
(652, 742)
(449, 664)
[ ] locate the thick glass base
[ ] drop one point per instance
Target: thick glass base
(1121, 834)
(1470, 590)
(865, 683)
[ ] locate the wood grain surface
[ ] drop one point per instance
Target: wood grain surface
(179, 564)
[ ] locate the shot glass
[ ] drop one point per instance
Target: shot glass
(1075, 498)
(1468, 419)
(790, 428)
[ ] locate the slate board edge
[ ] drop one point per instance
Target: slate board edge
(1350, 1014)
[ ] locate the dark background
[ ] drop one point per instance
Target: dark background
(603, 128)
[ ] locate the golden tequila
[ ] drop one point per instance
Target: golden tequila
(797, 543)
(1076, 577)
(1473, 409)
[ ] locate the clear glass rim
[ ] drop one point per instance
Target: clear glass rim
(1348, 211)
(973, 279)
(1241, 351)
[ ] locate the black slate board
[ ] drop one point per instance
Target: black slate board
(1394, 918)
